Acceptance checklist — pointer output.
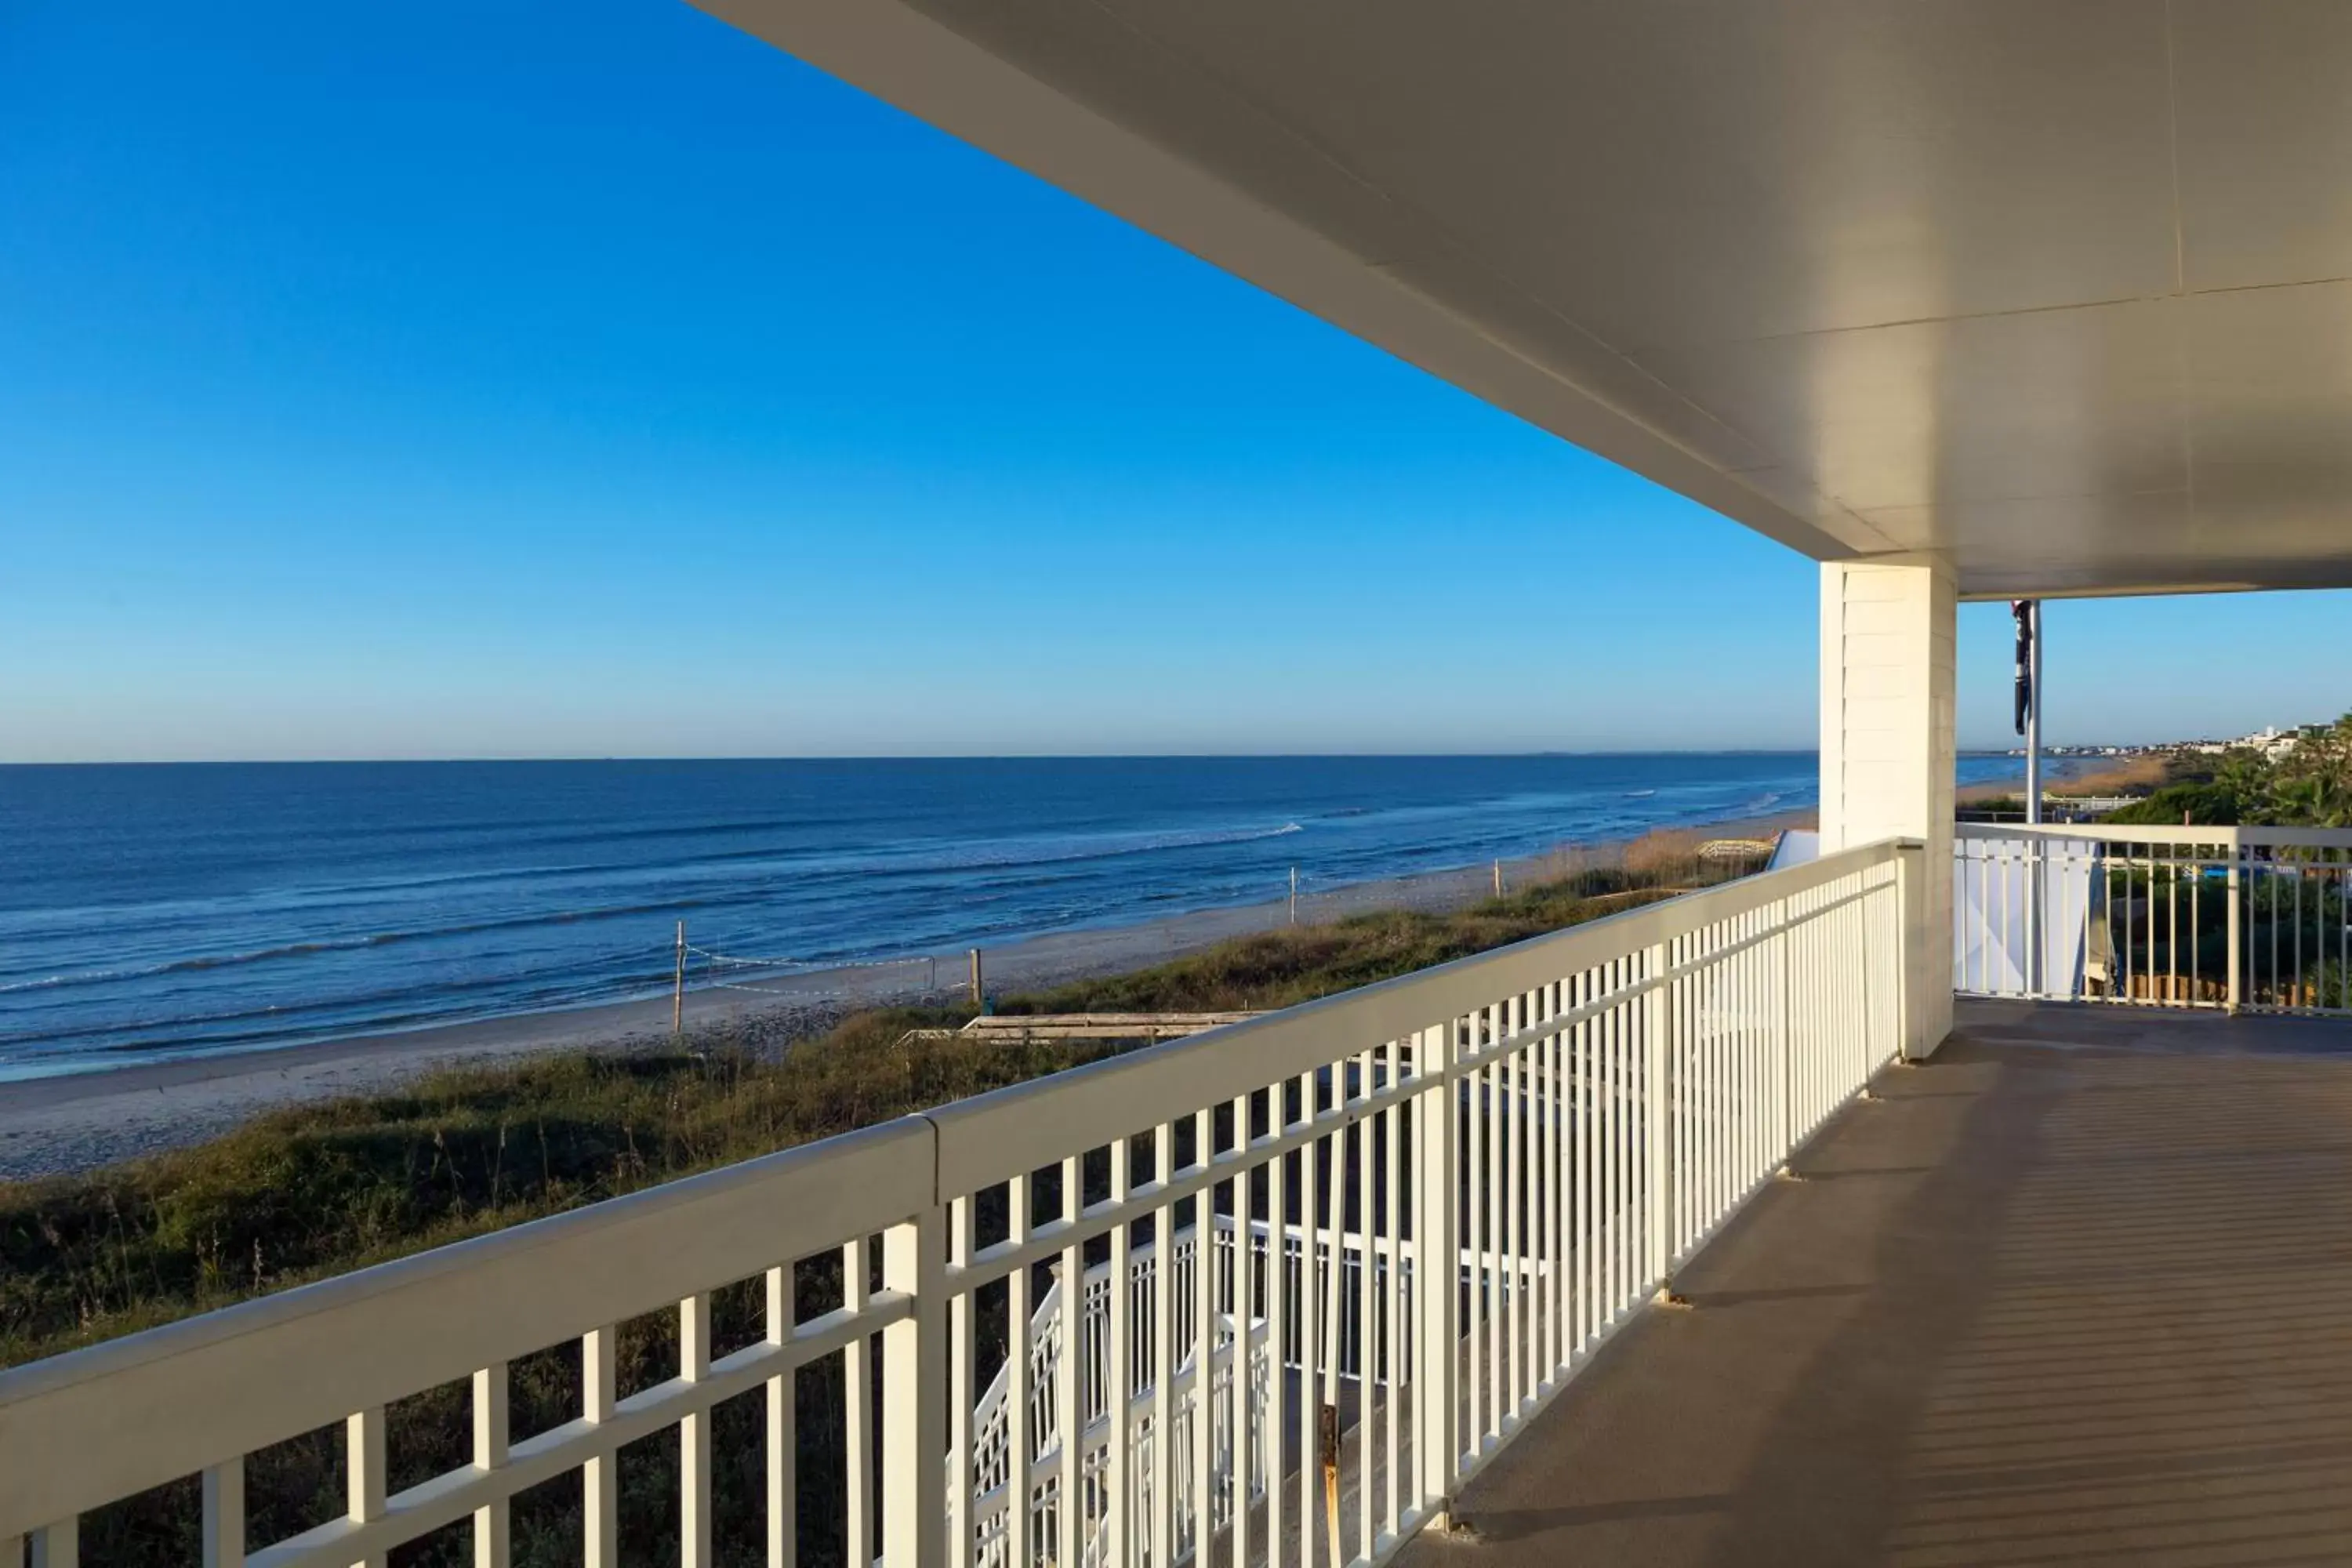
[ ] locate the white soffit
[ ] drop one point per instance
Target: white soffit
(2060, 287)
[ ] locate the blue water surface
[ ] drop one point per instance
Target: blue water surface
(150, 911)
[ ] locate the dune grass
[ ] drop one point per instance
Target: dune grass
(308, 1192)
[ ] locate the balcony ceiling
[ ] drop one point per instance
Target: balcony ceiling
(2062, 288)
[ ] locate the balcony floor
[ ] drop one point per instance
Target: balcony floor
(2078, 1292)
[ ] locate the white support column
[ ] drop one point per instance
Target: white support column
(1887, 748)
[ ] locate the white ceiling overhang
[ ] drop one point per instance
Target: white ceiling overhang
(2060, 289)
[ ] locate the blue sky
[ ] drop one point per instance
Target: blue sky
(433, 381)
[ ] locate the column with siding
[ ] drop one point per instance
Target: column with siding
(1888, 749)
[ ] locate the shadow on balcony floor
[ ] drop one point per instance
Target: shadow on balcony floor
(2033, 1306)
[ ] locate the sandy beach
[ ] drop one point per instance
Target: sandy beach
(79, 1121)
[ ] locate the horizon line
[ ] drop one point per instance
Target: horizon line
(492, 760)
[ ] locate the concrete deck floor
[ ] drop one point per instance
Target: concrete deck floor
(2078, 1292)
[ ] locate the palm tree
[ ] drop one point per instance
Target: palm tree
(2245, 777)
(2312, 787)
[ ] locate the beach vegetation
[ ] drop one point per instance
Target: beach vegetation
(2307, 785)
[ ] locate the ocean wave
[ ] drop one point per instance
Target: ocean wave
(89, 977)
(199, 962)
(1013, 855)
(1112, 847)
(1001, 858)
(813, 868)
(356, 1012)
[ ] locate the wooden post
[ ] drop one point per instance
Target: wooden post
(979, 995)
(1294, 895)
(678, 990)
(1498, 878)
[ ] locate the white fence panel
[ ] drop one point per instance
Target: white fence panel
(1269, 1294)
(2246, 918)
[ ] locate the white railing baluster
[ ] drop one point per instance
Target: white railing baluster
(914, 1474)
(857, 1410)
(1201, 1407)
(1587, 1168)
(1119, 1533)
(1511, 1241)
(1535, 1089)
(363, 1473)
(1163, 1531)
(224, 1516)
(1020, 1397)
(694, 1435)
(2235, 997)
(493, 1542)
(1069, 1387)
(1689, 1114)
(600, 1476)
(1437, 1442)
(58, 1545)
(1604, 1234)
(1662, 1132)
(1560, 1172)
(1310, 1323)
(1391, 1291)
(1784, 1047)
(1363, 1304)
(1620, 1153)
(961, 1545)
(1279, 1321)
(783, 1411)
(2275, 989)
(1486, 1382)
(1694, 1050)
(1568, 1056)
(1242, 1391)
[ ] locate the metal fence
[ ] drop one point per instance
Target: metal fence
(1559, 1123)
(2242, 919)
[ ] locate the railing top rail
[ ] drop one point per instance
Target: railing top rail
(83, 1429)
(1024, 1127)
(2150, 833)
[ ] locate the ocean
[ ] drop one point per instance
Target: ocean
(151, 912)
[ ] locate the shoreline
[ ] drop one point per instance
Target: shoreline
(98, 1116)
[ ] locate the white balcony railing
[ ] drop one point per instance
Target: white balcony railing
(2246, 918)
(1562, 1121)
